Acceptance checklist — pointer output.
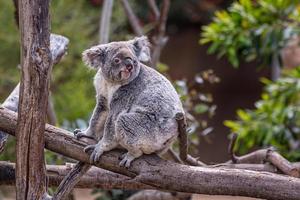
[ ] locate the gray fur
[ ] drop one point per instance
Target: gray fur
(135, 109)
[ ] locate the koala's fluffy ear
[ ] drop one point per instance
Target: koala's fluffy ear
(95, 56)
(141, 47)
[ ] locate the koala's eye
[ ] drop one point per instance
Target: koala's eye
(117, 60)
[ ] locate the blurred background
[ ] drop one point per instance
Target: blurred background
(234, 63)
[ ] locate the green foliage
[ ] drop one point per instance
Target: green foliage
(275, 120)
(251, 30)
(197, 105)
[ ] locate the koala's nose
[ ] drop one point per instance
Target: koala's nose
(128, 64)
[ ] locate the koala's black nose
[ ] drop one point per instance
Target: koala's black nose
(128, 64)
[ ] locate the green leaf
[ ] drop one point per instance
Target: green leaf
(201, 108)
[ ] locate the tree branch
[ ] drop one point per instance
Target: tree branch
(264, 155)
(105, 21)
(133, 20)
(166, 175)
(154, 9)
(94, 178)
(159, 40)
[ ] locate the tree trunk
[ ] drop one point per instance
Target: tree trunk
(36, 64)
(165, 175)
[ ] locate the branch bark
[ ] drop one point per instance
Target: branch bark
(165, 175)
(36, 65)
(94, 178)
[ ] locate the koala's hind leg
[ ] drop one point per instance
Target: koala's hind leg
(132, 131)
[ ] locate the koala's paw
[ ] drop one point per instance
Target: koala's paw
(81, 134)
(126, 160)
(96, 152)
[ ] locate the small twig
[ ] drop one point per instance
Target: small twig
(133, 20)
(105, 21)
(154, 9)
(231, 148)
(183, 146)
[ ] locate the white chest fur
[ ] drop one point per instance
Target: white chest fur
(105, 88)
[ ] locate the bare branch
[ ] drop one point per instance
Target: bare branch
(154, 9)
(105, 21)
(133, 20)
(70, 180)
(231, 148)
(159, 39)
(182, 136)
(267, 155)
(166, 175)
(94, 178)
(183, 143)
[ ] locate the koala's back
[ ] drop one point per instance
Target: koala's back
(150, 92)
(153, 102)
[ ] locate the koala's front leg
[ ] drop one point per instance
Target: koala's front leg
(97, 120)
(107, 143)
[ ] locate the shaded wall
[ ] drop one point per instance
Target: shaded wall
(239, 88)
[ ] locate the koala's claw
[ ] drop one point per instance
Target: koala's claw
(126, 160)
(89, 148)
(80, 134)
(96, 152)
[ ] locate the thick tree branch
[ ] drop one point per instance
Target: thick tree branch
(161, 174)
(94, 178)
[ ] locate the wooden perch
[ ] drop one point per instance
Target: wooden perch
(166, 175)
(94, 178)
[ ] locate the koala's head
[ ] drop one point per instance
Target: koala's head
(119, 62)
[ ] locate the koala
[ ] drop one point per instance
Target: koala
(136, 105)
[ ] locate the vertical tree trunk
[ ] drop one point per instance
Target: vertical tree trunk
(36, 64)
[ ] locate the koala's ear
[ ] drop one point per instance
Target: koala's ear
(141, 47)
(95, 56)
